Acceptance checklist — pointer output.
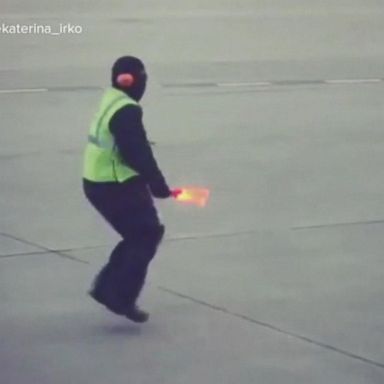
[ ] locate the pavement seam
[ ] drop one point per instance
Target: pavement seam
(10, 255)
(211, 235)
(47, 250)
(343, 224)
(212, 84)
(22, 90)
(64, 252)
(274, 328)
(249, 319)
(51, 251)
(182, 238)
(273, 83)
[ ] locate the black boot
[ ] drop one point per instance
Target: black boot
(113, 307)
(137, 315)
(105, 292)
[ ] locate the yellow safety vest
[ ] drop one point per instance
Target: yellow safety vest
(102, 161)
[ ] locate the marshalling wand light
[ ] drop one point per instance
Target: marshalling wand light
(192, 195)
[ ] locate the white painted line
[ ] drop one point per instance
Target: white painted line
(25, 90)
(246, 84)
(353, 81)
(293, 83)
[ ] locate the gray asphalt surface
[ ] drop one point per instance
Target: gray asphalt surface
(278, 109)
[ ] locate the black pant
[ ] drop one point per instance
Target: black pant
(129, 209)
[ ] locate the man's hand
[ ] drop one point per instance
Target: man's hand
(176, 192)
(159, 188)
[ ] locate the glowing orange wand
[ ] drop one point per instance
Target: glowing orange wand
(197, 196)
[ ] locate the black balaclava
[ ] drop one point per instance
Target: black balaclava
(134, 66)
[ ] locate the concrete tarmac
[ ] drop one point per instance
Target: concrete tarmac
(278, 109)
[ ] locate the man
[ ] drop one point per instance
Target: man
(120, 177)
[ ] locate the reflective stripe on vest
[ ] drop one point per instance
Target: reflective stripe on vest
(102, 162)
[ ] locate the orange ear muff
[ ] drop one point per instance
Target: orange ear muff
(125, 79)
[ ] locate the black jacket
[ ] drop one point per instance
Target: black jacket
(131, 140)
